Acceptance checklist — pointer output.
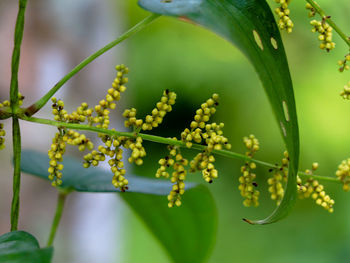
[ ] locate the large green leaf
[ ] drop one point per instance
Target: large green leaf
(20, 246)
(187, 232)
(250, 25)
(93, 179)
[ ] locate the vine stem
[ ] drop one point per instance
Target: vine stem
(327, 18)
(61, 199)
(42, 101)
(16, 138)
(169, 141)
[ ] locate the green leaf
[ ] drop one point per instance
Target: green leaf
(186, 232)
(20, 246)
(93, 179)
(250, 25)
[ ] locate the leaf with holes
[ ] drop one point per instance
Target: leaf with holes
(250, 25)
(20, 246)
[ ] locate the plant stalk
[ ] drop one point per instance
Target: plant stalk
(169, 141)
(61, 199)
(327, 18)
(138, 27)
(16, 133)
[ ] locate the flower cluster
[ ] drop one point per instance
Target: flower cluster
(7, 103)
(58, 148)
(343, 63)
(325, 34)
(178, 176)
(312, 11)
(247, 184)
(312, 188)
(345, 93)
(283, 12)
(200, 132)
(279, 176)
(2, 136)
(211, 134)
(158, 113)
(343, 174)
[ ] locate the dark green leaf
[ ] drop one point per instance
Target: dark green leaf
(92, 179)
(20, 246)
(250, 25)
(187, 232)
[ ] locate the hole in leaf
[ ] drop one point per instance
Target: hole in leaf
(258, 40)
(274, 43)
(285, 110)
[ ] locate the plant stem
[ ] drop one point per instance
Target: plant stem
(327, 18)
(56, 221)
(16, 55)
(16, 134)
(138, 27)
(169, 141)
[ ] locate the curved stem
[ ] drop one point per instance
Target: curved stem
(41, 102)
(169, 141)
(58, 215)
(327, 18)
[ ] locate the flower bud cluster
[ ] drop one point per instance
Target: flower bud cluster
(343, 174)
(312, 188)
(58, 148)
(345, 93)
(7, 103)
(325, 34)
(247, 184)
(178, 176)
(113, 95)
(343, 63)
(312, 11)
(204, 162)
(283, 12)
(2, 136)
(279, 177)
(158, 113)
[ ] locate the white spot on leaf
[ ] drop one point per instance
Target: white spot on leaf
(258, 40)
(285, 110)
(283, 129)
(274, 43)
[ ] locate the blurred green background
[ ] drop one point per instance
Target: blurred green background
(195, 63)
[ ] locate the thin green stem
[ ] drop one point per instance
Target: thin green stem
(168, 141)
(16, 133)
(327, 18)
(138, 27)
(58, 215)
(16, 54)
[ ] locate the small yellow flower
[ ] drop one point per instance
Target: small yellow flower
(284, 23)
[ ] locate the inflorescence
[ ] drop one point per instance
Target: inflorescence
(247, 180)
(3, 104)
(174, 166)
(283, 12)
(312, 188)
(200, 132)
(324, 30)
